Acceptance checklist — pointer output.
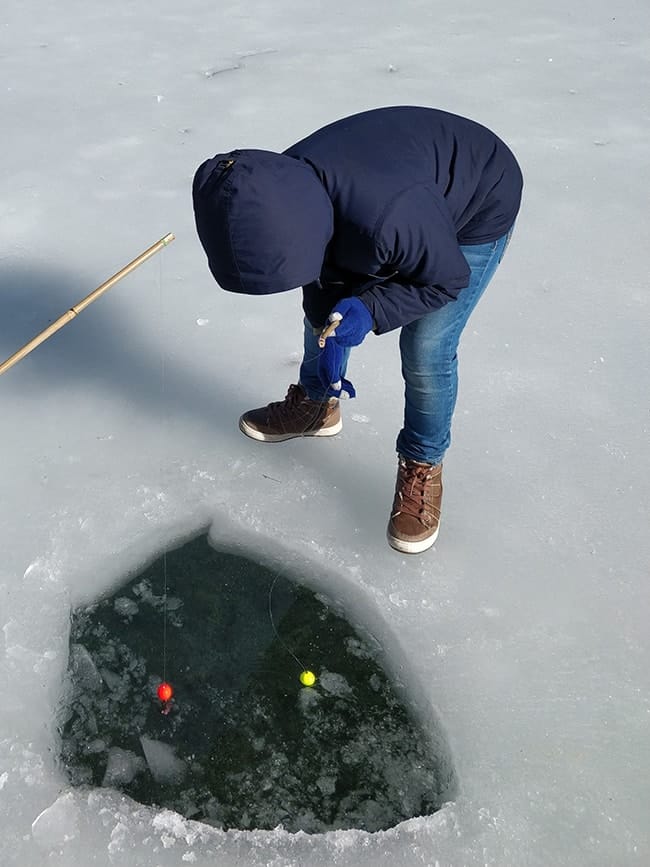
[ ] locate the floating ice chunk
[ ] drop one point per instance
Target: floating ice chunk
(113, 681)
(121, 768)
(144, 591)
(85, 672)
(327, 784)
(335, 684)
(308, 699)
(125, 607)
(57, 824)
(165, 767)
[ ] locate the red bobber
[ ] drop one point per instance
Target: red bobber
(165, 691)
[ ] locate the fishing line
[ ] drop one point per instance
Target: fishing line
(277, 634)
(307, 677)
(324, 400)
(164, 690)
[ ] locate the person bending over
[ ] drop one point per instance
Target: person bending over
(393, 218)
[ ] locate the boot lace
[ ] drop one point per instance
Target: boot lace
(416, 485)
(295, 406)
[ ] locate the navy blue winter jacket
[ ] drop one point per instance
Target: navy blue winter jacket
(374, 205)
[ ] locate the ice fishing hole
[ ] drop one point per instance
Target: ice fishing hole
(243, 743)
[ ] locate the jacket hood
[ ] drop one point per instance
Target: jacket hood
(264, 220)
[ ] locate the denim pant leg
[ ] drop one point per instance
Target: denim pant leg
(309, 367)
(430, 363)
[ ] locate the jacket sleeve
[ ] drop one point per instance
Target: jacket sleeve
(416, 241)
(394, 304)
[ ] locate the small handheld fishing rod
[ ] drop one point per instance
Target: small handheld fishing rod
(85, 302)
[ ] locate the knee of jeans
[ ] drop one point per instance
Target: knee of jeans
(434, 364)
(433, 347)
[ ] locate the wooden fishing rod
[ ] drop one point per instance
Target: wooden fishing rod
(85, 302)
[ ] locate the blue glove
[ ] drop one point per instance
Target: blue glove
(331, 361)
(355, 322)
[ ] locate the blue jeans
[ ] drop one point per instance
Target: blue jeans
(428, 349)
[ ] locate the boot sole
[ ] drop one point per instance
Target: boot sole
(260, 436)
(412, 547)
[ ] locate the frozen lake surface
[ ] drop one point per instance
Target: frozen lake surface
(523, 637)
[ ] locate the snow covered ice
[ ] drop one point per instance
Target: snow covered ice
(525, 631)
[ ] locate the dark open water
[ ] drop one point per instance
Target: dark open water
(244, 744)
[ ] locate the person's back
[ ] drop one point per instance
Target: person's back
(367, 160)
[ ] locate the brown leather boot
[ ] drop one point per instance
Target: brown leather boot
(295, 416)
(415, 519)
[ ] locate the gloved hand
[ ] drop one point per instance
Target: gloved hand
(355, 322)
